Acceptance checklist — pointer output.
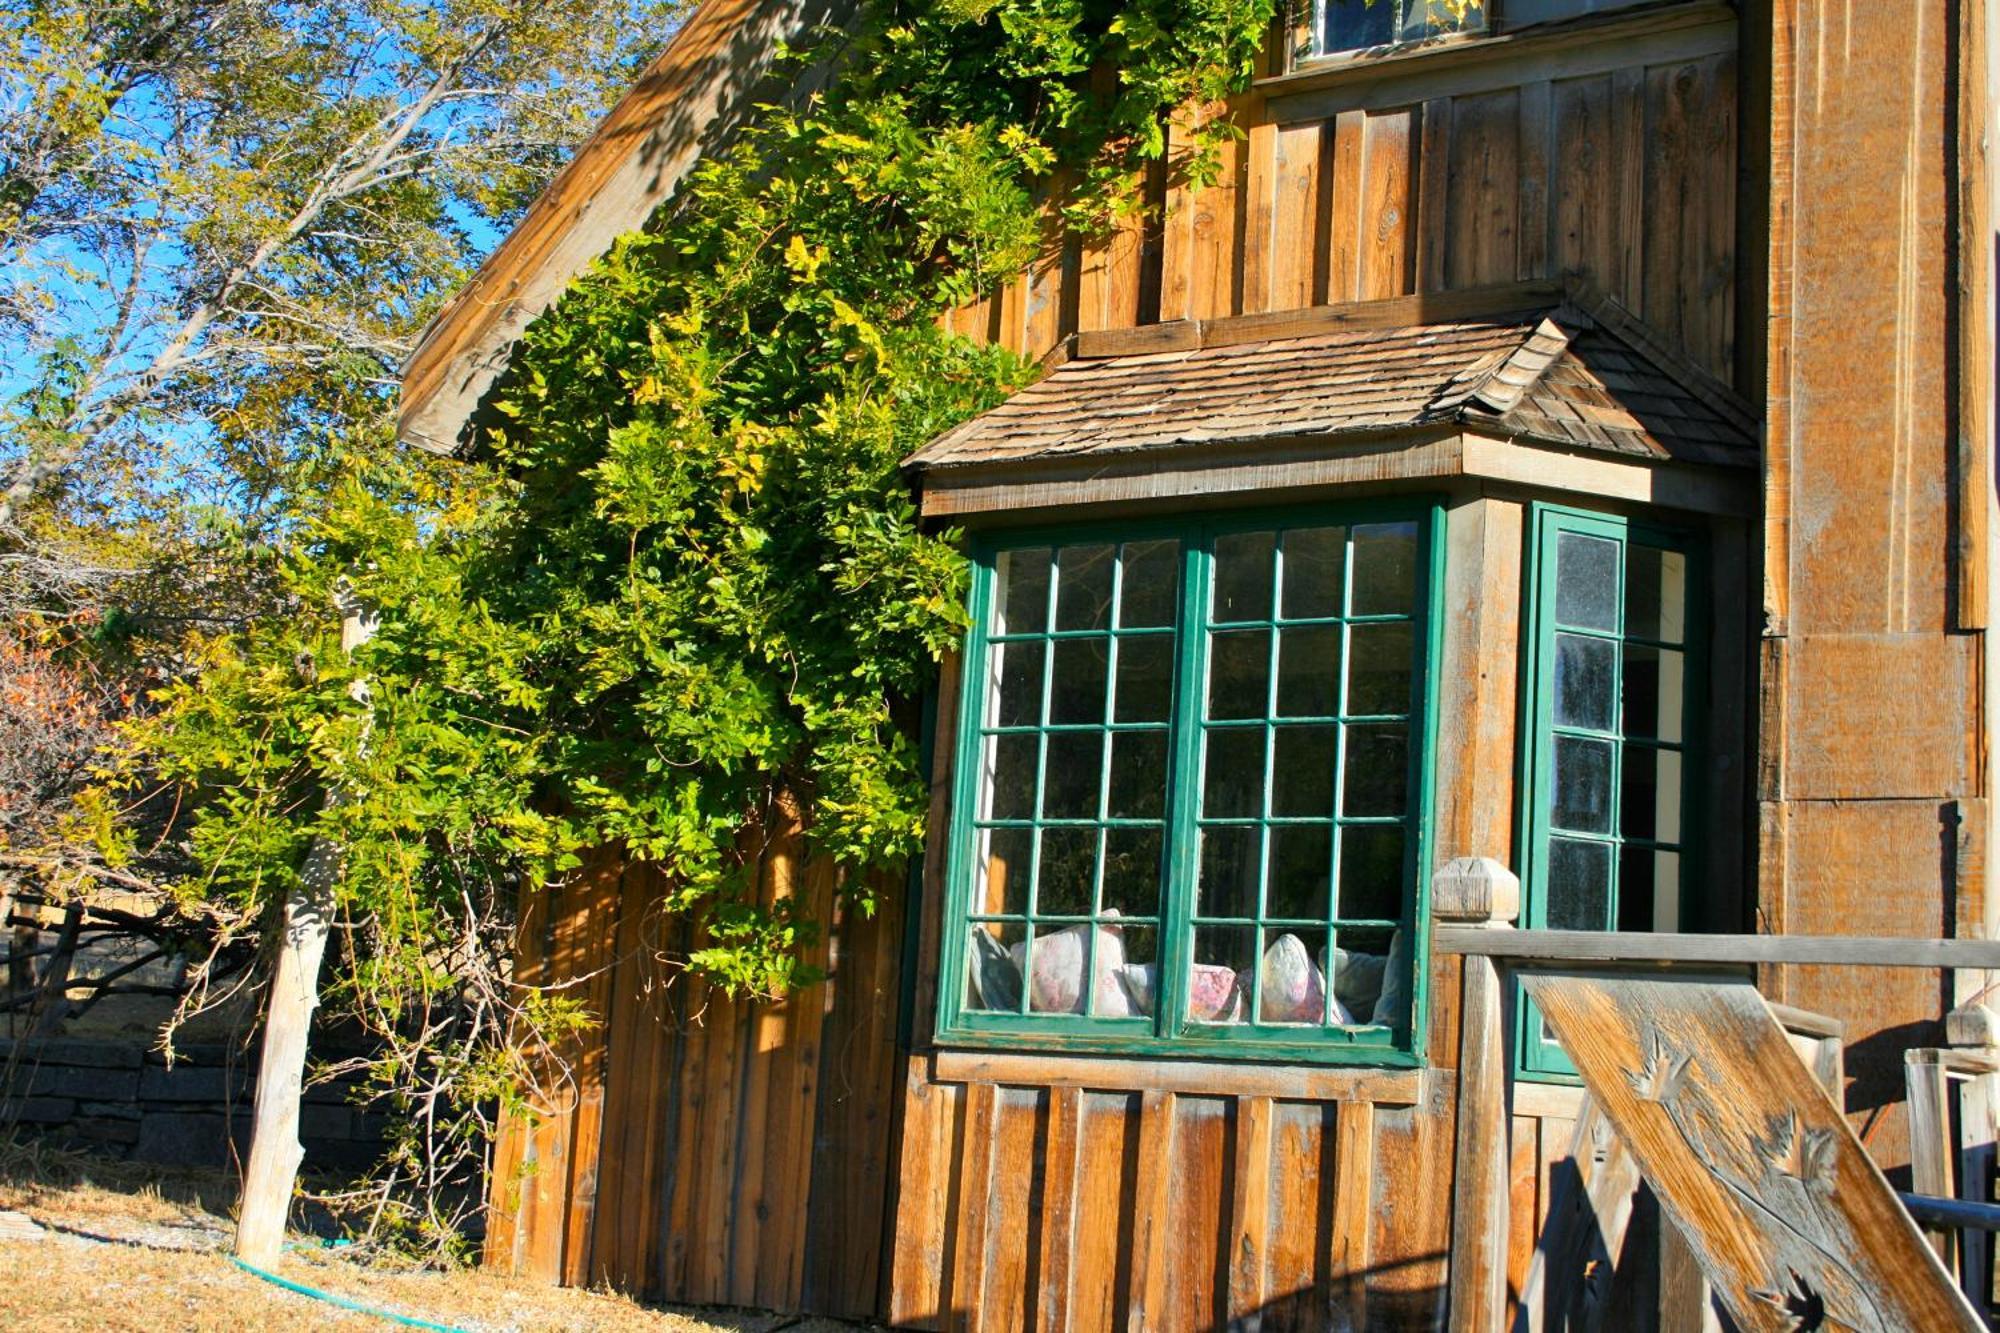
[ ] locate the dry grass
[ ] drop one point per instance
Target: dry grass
(132, 1249)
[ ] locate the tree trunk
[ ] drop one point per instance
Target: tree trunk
(275, 1150)
(51, 1006)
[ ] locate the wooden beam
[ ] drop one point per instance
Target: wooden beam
(1206, 1078)
(1595, 946)
(1480, 894)
(1395, 312)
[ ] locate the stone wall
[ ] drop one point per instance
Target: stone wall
(121, 1099)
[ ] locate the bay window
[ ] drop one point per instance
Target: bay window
(1192, 786)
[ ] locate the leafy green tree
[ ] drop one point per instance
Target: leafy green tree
(223, 221)
(686, 582)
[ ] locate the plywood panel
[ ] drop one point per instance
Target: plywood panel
(1483, 195)
(1201, 270)
(1386, 245)
(1690, 261)
(1293, 252)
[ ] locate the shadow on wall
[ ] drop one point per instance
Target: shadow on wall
(1373, 1300)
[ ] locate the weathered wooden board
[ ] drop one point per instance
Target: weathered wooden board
(1788, 1217)
(1618, 165)
(696, 1147)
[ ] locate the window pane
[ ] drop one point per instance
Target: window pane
(1076, 765)
(1378, 679)
(1649, 889)
(1004, 872)
(1019, 669)
(1299, 879)
(1221, 955)
(1076, 694)
(1233, 774)
(1586, 582)
(1239, 673)
(1365, 970)
(1135, 975)
(1353, 25)
(1060, 958)
(1655, 594)
(1228, 883)
(1649, 798)
(1582, 785)
(1151, 588)
(1315, 565)
(1242, 576)
(1291, 987)
(1302, 767)
(1309, 670)
(1378, 770)
(1083, 587)
(1655, 685)
(1066, 879)
(1138, 775)
(993, 966)
(1010, 776)
(1371, 873)
(1586, 682)
(1385, 569)
(1132, 871)
(1023, 592)
(1145, 678)
(1579, 885)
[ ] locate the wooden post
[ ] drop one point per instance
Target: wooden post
(1479, 891)
(275, 1150)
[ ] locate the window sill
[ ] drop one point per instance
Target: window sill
(1211, 1078)
(1467, 49)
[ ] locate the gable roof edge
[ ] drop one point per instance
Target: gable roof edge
(693, 96)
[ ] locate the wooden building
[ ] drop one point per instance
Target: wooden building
(1567, 441)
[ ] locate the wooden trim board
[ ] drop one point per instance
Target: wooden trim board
(1359, 459)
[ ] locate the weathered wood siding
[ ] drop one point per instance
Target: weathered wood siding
(707, 1149)
(1874, 774)
(1609, 154)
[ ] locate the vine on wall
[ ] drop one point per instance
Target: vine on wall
(686, 576)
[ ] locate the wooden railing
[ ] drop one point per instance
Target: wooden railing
(1474, 904)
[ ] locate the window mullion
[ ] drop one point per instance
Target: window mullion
(1176, 946)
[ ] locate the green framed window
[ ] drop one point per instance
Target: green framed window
(1611, 723)
(1191, 793)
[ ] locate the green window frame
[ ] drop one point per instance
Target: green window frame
(1612, 720)
(1054, 766)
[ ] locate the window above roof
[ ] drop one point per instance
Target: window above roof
(1344, 27)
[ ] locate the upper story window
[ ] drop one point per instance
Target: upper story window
(1343, 26)
(1191, 786)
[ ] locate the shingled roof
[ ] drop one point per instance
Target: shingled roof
(1577, 374)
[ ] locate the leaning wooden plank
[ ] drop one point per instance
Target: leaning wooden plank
(1786, 1214)
(1590, 1206)
(1931, 1141)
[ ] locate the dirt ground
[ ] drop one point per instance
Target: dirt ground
(92, 1244)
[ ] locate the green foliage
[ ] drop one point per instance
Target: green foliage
(688, 586)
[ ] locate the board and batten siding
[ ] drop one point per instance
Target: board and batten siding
(695, 1147)
(1608, 153)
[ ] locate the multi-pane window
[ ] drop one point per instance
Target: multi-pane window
(1611, 681)
(1190, 784)
(1342, 26)
(1357, 25)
